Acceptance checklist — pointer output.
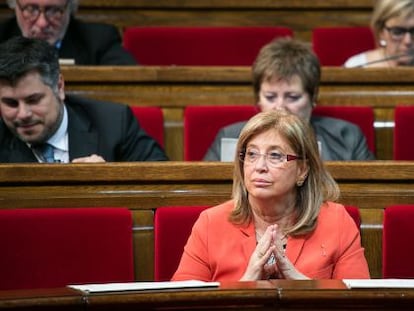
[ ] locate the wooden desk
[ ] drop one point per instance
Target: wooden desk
(300, 15)
(42, 299)
(260, 295)
(143, 187)
(174, 88)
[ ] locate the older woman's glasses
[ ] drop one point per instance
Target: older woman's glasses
(31, 12)
(273, 158)
(397, 33)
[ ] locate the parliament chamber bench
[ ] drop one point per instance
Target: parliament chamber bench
(174, 88)
(143, 187)
(259, 295)
(299, 15)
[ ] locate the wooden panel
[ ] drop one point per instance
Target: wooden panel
(143, 187)
(174, 88)
(143, 241)
(259, 295)
(64, 299)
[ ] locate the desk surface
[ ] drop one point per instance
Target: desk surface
(261, 295)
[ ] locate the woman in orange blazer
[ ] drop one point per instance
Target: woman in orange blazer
(282, 221)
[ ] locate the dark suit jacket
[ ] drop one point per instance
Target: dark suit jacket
(339, 139)
(86, 43)
(106, 129)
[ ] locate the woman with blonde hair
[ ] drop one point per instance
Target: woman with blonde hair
(392, 22)
(282, 221)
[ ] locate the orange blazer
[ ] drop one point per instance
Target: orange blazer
(218, 250)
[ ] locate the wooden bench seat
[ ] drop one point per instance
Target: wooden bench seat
(143, 187)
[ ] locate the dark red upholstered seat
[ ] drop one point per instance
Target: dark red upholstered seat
(403, 129)
(199, 46)
(353, 211)
(172, 227)
(397, 242)
(202, 123)
(152, 121)
(54, 247)
(334, 45)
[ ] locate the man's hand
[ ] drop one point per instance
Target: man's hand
(93, 158)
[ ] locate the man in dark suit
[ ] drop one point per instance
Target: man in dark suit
(54, 21)
(37, 117)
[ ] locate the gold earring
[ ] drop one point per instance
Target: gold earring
(299, 183)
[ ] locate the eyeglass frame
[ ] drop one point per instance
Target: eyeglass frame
(401, 35)
(283, 159)
(51, 17)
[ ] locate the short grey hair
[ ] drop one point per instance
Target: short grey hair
(72, 4)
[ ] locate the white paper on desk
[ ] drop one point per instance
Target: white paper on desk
(228, 149)
(114, 287)
(66, 61)
(380, 283)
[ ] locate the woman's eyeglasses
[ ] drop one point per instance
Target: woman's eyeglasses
(273, 158)
(397, 33)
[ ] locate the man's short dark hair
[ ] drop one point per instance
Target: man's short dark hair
(20, 55)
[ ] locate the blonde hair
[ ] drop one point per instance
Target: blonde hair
(318, 187)
(387, 9)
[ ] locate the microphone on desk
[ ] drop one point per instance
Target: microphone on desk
(385, 59)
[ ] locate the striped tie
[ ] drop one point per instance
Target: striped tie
(47, 153)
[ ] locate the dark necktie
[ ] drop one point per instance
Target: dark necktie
(47, 153)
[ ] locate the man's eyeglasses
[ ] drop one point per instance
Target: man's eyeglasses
(31, 12)
(273, 158)
(397, 33)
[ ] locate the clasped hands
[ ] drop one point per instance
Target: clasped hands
(261, 264)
